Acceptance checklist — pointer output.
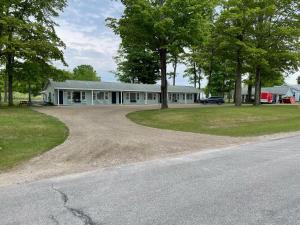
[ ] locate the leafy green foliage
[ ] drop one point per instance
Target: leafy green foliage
(137, 65)
(159, 26)
(28, 34)
(261, 38)
(86, 73)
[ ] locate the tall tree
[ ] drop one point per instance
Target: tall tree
(275, 37)
(232, 27)
(86, 73)
(28, 34)
(159, 24)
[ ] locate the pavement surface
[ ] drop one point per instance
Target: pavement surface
(102, 136)
(248, 184)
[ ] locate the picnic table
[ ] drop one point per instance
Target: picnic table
(24, 103)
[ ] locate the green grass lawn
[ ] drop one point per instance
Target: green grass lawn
(25, 133)
(225, 121)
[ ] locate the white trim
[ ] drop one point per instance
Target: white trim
(106, 90)
(146, 98)
(57, 96)
(92, 97)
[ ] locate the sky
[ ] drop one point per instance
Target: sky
(89, 41)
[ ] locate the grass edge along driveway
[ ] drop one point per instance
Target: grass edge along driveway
(231, 121)
(25, 133)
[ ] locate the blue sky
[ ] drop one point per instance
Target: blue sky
(89, 41)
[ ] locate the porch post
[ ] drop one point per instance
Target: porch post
(184, 98)
(146, 98)
(58, 97)
(92, 97)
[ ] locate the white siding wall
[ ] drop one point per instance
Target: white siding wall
(129, 98)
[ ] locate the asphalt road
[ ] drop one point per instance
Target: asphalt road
(249, 184)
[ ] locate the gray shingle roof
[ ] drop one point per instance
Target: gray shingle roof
(117, 86)
(297, 87)
(277, 90)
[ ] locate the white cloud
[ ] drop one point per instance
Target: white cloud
(292, 79)
(79, 40)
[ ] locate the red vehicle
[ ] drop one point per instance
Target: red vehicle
(266, 97)
(289, 100)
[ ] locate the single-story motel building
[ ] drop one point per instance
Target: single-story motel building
(278, 92)
(72, 92)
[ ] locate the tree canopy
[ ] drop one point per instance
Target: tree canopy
(28, 34)
(85, 73)
(137, 64)
(159, 26)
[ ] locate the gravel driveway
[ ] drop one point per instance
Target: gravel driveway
(101, 136)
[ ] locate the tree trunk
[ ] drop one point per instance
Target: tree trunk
(164, 82)
(29, 93)
(175, 71)
(223, 87)
(9, 69)
(163, 70)
(195, 76)
(199, 77)
(238, 82)
(249, 93)
(210, 70)
(5, 88)
(257, 86)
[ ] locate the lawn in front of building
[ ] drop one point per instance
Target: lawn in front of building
(25, 133)
(225, 121)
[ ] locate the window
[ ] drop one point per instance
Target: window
(94, 96)
(127, 96)
(49, 97)
(132, 97)
(189, 96)
(138, 96)
(106, 95)
(76, 97)
(83, 95)
(175, 97)
(150, 96)
(100, 95)
(69, 94)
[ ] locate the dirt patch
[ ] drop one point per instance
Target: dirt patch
(102, 136)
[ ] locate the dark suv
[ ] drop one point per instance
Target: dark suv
(213, 100)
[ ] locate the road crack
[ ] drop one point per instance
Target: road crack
(80, 214)
(64, 197)
(83, 216)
